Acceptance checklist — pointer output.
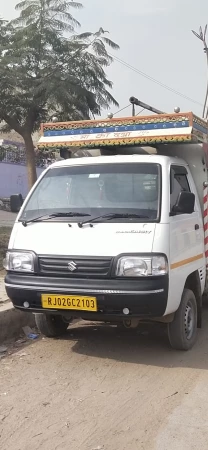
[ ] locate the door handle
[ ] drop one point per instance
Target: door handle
(196, 226)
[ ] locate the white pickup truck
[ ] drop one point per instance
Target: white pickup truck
(118, 238)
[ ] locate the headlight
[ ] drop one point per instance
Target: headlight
(19, 261)
(135, 266)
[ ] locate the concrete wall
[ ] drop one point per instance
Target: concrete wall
(13, 179)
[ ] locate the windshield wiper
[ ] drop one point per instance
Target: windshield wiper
(111, 216)
(52, 216)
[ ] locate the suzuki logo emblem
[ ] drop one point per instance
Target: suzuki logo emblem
(72, 266)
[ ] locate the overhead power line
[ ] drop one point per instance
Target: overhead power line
(159, 83)
(125, 107)
(148, 77)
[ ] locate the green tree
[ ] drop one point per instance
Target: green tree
(44, 71)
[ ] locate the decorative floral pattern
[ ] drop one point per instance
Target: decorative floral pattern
(200, 122)
(116, 123)
(132, 141)
(201, 137)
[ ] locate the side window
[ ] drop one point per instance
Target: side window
(179, 182)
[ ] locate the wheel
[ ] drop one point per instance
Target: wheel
(182, 332)
(50, 326)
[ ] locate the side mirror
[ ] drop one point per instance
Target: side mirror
(185, 204)
(16, 202)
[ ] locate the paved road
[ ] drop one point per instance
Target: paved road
(7, 218)
(100, 388)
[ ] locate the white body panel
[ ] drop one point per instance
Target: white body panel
(105, 239)
(185, 243)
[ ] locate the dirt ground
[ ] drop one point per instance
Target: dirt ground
(102, 388)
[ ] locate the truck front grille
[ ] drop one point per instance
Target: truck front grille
(79, 267)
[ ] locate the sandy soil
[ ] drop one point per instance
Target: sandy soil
(102, 388)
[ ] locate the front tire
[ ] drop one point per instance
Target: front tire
(182, 332)
(50, 326)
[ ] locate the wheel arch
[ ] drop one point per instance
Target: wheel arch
(193, 283)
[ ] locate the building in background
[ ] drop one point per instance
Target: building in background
(13, 170)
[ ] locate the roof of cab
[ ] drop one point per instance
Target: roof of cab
(163, 160)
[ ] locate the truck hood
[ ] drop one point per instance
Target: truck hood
(51, 238)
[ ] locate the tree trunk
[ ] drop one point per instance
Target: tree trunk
(30, 158)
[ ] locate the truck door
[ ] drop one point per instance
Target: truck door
(186, 232)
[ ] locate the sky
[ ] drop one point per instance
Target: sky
(155, 38)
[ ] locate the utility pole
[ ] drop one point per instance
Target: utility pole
(202, 37)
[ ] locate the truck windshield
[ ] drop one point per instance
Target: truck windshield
(97, 189)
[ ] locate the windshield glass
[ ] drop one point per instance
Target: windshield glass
(94, 190)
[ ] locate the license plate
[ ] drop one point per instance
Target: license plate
(69, 302)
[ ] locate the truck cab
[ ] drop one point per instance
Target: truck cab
(117, 238)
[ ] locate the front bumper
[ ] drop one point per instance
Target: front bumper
(143, 297)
